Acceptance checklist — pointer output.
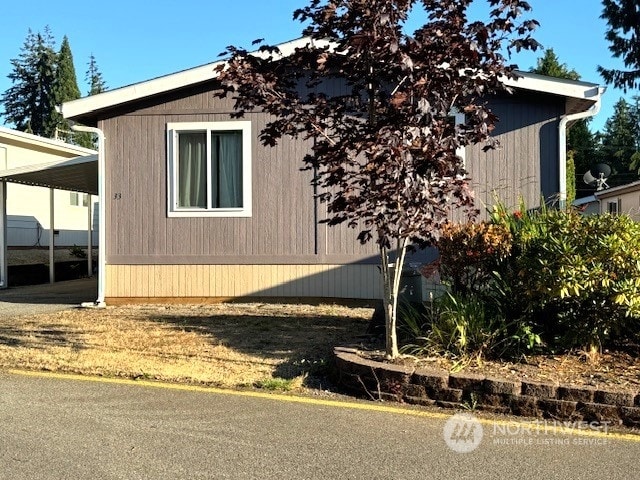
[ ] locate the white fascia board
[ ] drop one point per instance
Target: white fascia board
(203, 73)
(43, 167)
(166, 83)
(137, 91)
(556, 86)
(29, 139)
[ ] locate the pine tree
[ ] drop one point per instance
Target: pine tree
(550, 65)
(623, 18)
(619, 142)
(29, 103)
(584, 146)
(66, 89)
(94, 77)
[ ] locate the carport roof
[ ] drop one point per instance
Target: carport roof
(78, 174)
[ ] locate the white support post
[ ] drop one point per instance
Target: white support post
(52, 274)
(102, 229)
(89, 238)
(3, 235)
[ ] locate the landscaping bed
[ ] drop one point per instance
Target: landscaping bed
(489, 387)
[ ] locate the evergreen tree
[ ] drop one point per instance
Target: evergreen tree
(623, 17)
(619, 142)
(585, 148)
(94, 77)
(550, 65)
(571, 177)
(66, 89)
(581, 143)
(29, 104)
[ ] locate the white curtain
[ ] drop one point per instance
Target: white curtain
(226, 159)
(192, 170)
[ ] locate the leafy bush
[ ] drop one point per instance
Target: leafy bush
(470, 252)
(573, 278)
(77, 251)
(580, 277)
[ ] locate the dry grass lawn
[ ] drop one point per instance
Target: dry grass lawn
(228, 345)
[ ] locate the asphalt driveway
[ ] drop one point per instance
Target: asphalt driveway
(47, 298)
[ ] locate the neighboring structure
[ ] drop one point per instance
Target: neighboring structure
(587, 205)
(37, 216)
(28, 207)
(623, 199)
(197, 208)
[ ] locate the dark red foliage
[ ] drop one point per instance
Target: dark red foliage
(385, 150)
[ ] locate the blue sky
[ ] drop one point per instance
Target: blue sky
(137, 40)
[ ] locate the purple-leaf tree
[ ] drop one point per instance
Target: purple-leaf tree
(384, 151)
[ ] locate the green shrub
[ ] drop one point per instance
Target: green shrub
(573, 278)
(77, 251)
(580, 276)
(467, 327)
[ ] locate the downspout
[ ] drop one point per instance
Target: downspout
(102, 233)
(595, 108)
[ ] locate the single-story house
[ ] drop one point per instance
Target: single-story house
(623, 199)
(34, 215)
(257, 232)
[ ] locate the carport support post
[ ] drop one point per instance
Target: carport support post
(89, 238)
(52, 274)
(3, 235)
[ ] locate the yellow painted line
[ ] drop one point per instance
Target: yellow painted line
(539, 426)
(239, 393)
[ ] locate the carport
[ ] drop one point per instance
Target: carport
(79, 174)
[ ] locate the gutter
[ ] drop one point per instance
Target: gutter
(562, 128)
(102, 233)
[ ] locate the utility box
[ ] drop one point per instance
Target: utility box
(411, 284)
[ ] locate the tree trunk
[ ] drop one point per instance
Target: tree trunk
(391, 277)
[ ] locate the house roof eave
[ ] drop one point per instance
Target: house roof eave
(86, 108)
(613, 191)
(31, 141)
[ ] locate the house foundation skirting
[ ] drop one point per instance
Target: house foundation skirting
(224, 282)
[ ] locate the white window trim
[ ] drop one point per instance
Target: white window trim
(172, 178)
(617, 206)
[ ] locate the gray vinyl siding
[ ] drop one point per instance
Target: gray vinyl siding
(526, 162)
(283, 228)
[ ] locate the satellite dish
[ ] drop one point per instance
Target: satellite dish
(597, 176)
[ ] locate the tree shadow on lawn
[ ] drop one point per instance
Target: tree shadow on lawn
(303, 343)
(40, 338)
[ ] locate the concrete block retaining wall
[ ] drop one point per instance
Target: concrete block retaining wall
(382, 381)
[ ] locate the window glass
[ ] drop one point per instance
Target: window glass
(209, 169)
(192, 170)
(226, 169)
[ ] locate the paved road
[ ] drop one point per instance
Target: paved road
(47, 298)
(60, 428)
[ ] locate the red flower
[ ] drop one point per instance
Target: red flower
(517, 215)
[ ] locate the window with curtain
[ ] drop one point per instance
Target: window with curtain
(210, 169)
